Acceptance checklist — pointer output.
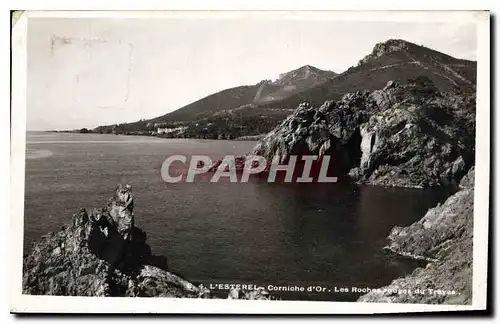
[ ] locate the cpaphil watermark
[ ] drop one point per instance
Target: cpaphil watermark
(253, 165)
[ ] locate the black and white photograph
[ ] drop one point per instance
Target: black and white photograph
(188, 159)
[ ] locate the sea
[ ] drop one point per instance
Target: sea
(300, 241)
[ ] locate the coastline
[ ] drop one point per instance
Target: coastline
(102, 253)
(378, 141)
(244, 139)
(46, 270)
(443, 237)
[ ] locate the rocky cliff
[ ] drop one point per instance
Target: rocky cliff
(444, 238)
(409, 135)
(102, 253)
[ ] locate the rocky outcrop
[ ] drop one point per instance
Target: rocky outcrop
(407, 136)
(402, 135)
(332, 129)
(258, 294)
(384, 48)
(444, 238)
(102, 253)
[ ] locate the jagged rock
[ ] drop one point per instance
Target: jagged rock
(332, 129)
(444, 238)
(468, 180)
(258, 294)
(380, 49)
(121, 209)
(239, 164)
(234, 294)
(102, 253)
(414, 143)
(402, 135)
(303, 132)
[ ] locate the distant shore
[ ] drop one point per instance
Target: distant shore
(77, 131)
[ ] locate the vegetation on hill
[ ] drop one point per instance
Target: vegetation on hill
(256, 109)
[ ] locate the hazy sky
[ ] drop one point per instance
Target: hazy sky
(90, 72)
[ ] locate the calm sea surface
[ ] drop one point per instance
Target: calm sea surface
(328, 235)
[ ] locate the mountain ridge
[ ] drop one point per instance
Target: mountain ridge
(254, 109)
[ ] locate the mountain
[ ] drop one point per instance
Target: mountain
(220, 101)
(232, 112)
(395, 60)
(290, 83)
(266, 91)
(256, 109)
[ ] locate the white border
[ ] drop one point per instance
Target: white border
(482, 168)
(393, 15)
(42, 304)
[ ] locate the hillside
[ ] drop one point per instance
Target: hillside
(223, 100)
(242, 97)
(256, 109)
(290, 83)
(395, 60)
(230, 113)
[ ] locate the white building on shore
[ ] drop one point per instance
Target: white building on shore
(170, 130)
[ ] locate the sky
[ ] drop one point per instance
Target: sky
(86, 72)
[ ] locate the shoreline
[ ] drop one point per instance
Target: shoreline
(150, 136)
(443, 238)
(172, 279)
(376, 138)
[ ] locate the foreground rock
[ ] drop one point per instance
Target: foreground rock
(259, 294)
(443, 237)
(402, 135)
(102, 253)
